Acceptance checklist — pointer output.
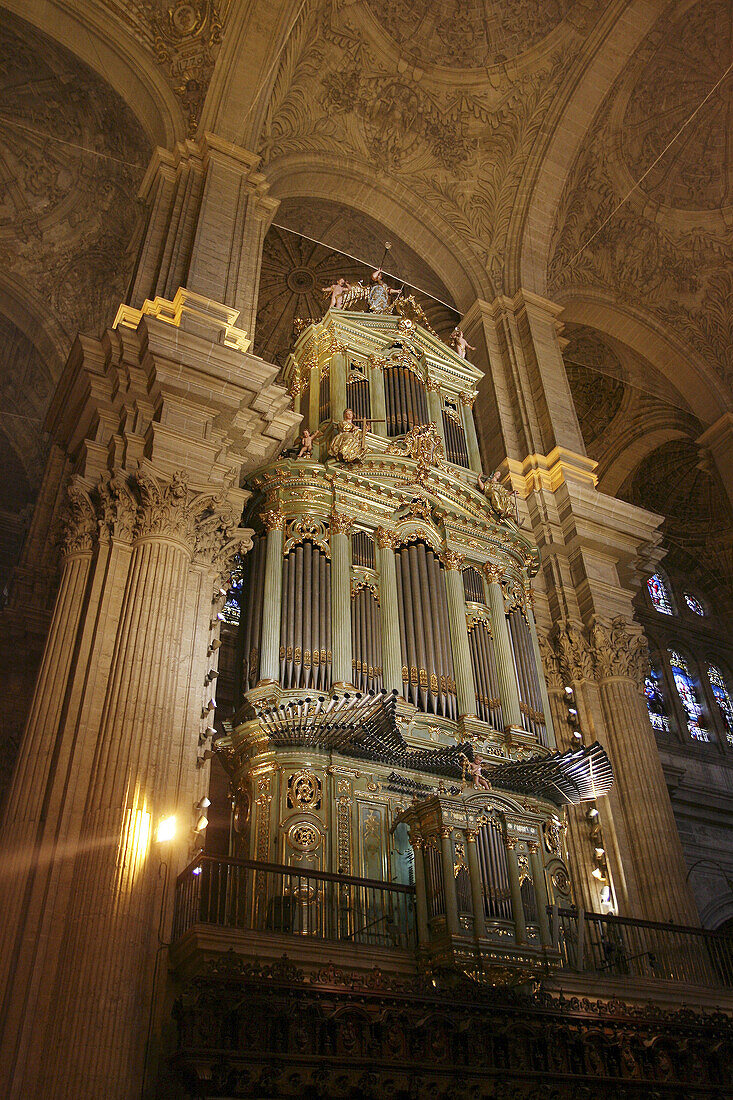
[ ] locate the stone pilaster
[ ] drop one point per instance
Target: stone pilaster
(208, 213)
(341, 598)
(272, 596)
(465, 689)
(391, 646)
(508, 689)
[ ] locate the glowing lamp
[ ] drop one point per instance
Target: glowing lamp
(166, 830)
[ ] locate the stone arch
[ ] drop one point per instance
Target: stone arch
(316, 177)
(109, 48)
(613, 44)
(685, 371)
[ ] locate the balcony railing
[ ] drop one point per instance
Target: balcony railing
(627, 948)
(267, 897)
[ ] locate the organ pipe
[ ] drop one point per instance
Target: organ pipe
(405, 400)
(488, 702)
(455, 440)
(366, 635)
(494, 872)
(357, 397)
(530, 698)
(305, 638)
(424, 627)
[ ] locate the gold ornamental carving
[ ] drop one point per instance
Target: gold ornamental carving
(424, 446)
(273, 519)
(453, 560)
(467, 398)
(387, 540)
(341, 524)
(303, 836)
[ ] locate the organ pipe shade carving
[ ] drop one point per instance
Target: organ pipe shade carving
(485, 678)
(492, 863)
(427, 658)
(305, 623)
(530, 700)
(406, 400)
(324, 399)
(362, 550)
(253, 587)
(456, 449)
(366, 641)
(473, 585)
(357, 397)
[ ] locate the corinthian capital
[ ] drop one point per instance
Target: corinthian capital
(341, 524)
(573, 652)
(78, 522)
(619, 653)
(273, 519)
(163, 508)
(117, 507)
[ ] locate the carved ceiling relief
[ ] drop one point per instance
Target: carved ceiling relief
(460, 144)
(668, 244)
(183, 37)
(68, 210)
(594, 374)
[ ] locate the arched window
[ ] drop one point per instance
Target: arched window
(694, 604)
(723, 699)
(659, 594)
(655, 703)
(688, 695)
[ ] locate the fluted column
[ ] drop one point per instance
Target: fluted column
(540, 890)
(477, 896)
(391, 647)
(465, 688)
(435, 407)
(421, 900)
(520, 924)
(23, 820)
(508, 689)
(378, 401)
(338, 385)
(341, 598)
(274, 522)
(546, 710)
(641, 794)
(469, 427)
(452, 922)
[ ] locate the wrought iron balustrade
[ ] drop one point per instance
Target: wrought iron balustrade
(627, 948)
(271, 898)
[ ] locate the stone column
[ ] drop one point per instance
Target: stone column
(378, 400)
(274, 522)
(421, 900)
(341, 599)
(477, 896)
(540, 890)
(391, 645)
(641, 791)
(469, 427)
(508, 689)
(465, 688)
(452, 922)
(520, 924)
(23, 819)
(546, 709)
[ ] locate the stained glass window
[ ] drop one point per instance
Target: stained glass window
(655, 703)
(694, 604)
(688, 696)
(659, 595)
(231, 610)
(722, 696)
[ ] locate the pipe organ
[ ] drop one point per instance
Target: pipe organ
(387, 647)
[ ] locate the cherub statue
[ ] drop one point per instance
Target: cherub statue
(473, 769)
(349, 443)
(337, 291)
(460, 343)
(307, 439)
(498, 496)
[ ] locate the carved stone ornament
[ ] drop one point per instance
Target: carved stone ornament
(574, 653)
(618, 653)
(79, 521)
